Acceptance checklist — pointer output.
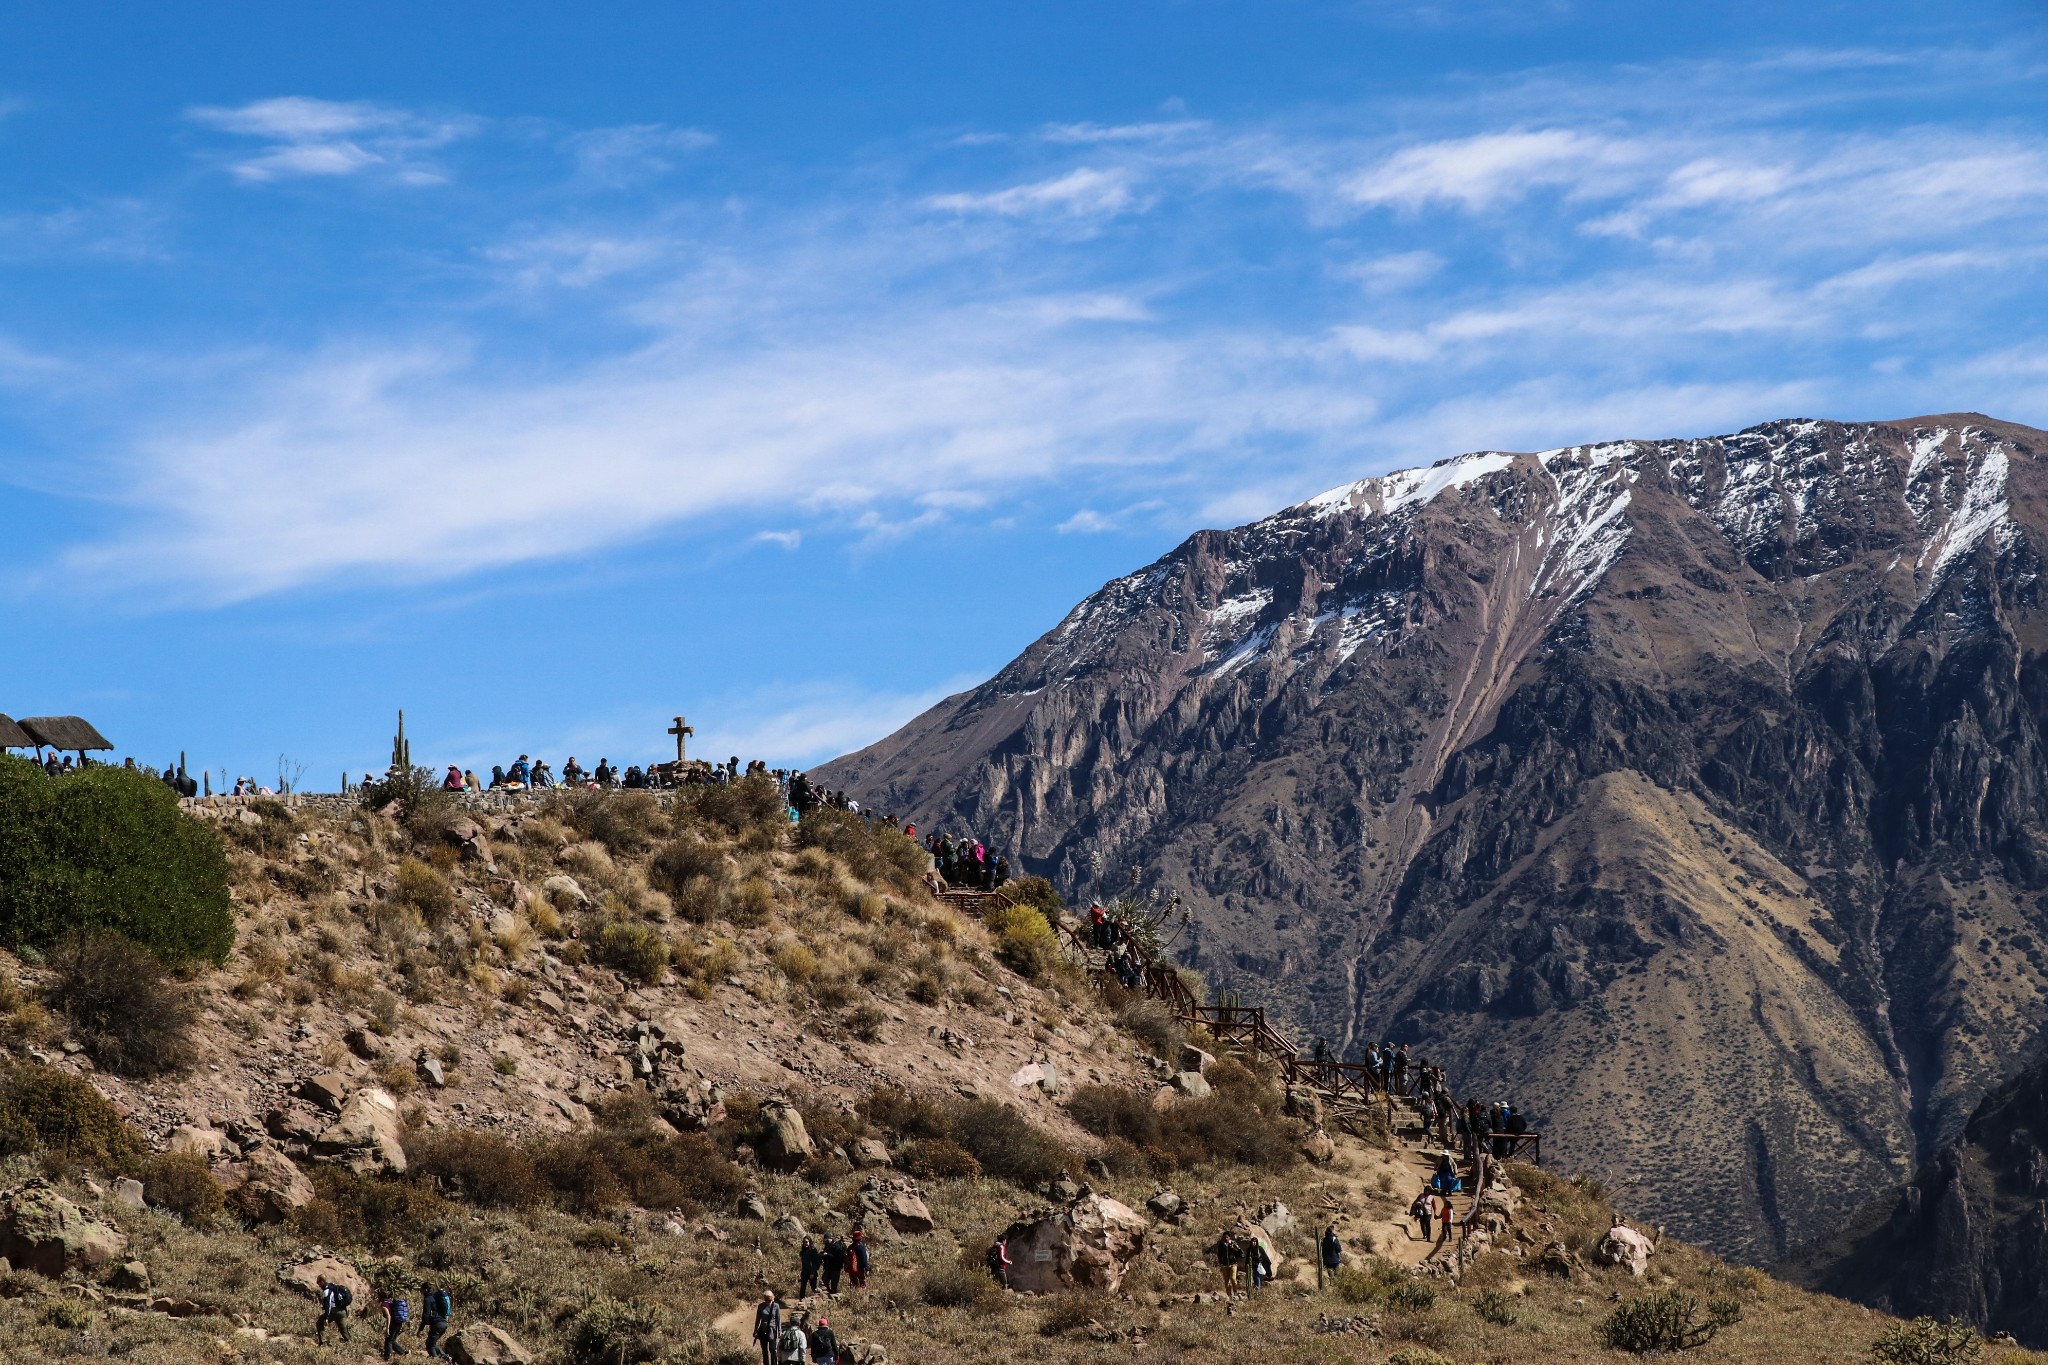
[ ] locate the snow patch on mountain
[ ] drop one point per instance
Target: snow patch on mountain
(1393, 493)
(1984, 507)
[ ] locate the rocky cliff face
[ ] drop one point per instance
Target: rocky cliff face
(1690, 791)
(1967, 1237)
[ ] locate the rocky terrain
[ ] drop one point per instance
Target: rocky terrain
(1967, 1237)
(1688, 790)
(595, 1067)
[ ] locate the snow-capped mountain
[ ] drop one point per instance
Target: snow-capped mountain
(1691, 791)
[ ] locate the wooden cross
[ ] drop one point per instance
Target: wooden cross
(680, 731)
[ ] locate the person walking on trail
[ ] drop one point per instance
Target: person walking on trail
(1229, 1256)
(1330, 1253)
(397, 1313)
(335, 1300)
(835, 1263)
(1259, 1261)
(809, 1261)
(436, 1309)
(795, 1346)
(999, 1263)
(824, 1344)
(1423, 1210)
(857, 1262)
(767, 1326)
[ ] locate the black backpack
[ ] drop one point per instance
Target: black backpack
(343, 1297)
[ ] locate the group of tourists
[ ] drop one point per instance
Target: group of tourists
(1245, 1259)
(788, 1337)
(965, 863)
(437, 1309)
(1122, 955)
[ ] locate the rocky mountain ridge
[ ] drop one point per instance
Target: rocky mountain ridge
(1692, 785)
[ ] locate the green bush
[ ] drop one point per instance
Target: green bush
(623, 821)
(752, 804)
(619, 1332)
(132, 1018)
(999, 1139)
(356, 1210)
(1495, 1307)
(184, 1184)
(423, 889)
(1666, 1322)
(1924, 1341)
(637, 951)
(49, 1113)
(1372, 1281)
(107, 848)
(1024, 941)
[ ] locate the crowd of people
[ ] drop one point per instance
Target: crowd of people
(785, 1333)
(965, 864)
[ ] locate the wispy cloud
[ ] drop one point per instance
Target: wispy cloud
(1083, 192)
(632, 153)
(305, 137)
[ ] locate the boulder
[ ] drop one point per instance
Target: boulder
(562, 888)
(1277, 1220)
(41, 1230)
(266, 1186)
(783, 1144)
(788, 1227)
(1166, 1204)
(907, 1212)
(1087, 1245)
(754, 1209)
(305, 1276)
(363, 1043)
(329, 1090)
(129, 1275)
(1301, 1102)
(479, 1343)
(366, 1136)
(1194, 1059)
(1625, 1247)
(204, 1143)
(869, 1152)
(127, 1192)
(432, 1073)
(1318, 1148)
(1191, 1084)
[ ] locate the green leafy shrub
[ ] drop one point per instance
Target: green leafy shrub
(133, 1019)
(1024, 941)
(49, 1113)
(619, 1332)
(1412, 1296)
(635, 950)
(67, 1316)
(1924, 1341)
(108, 849)
(1495, 1307)
(1372, 1281)
(1668, 1321)
(184, 1184)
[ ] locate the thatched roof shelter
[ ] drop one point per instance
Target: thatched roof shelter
(12, 736)
(63, 732)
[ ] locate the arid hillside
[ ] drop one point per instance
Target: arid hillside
(1687, 790)
(594, 1067)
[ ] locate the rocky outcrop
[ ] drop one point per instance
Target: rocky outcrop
(783, 1143)
(482, 1344)
(1626, 1249)
(266, 1186)
(305, 1276)
(366, 1137)
(1689, 790)
(1086, 1245)
(1967, 1237)
(41, 1230)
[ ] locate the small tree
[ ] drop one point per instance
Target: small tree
(1924, 1341)
(1666, 1322)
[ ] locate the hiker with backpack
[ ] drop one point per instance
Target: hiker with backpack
(768, 1326)
(397, 1313)
(1331, 1254)
(857, 1262)
(999, 1263)
(437, 1308)
(795, 1344)
(334, 1305)
(824, 1344)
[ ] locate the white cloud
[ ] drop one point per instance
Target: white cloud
(788, 540)
(1087, 521)
(1088, 133)
(1083, 192)
(1482, 171)
(306, 137)
(633, 152)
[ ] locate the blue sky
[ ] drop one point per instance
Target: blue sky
(548, 370)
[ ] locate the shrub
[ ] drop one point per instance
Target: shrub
(1068, 1313)
(47, 1112)
(637, 951)
(1239, 1124)
(1495, 1307)
(629, 1160)
(1372, 1281)
(795, 961)
(1666, 1322)
(132, 1018)
(683, 860)
(752, 902)
(1924, 1341)
(1038, 893)
(1153, 1023)
(752, 803)
(1008, 1145)
(184, 1184)
(423, 890)
(958, 1286)
(623, 821)
(881, 855)
(109, 849)
(67, 1316)
(1412, 1296)
(1415, 1355)
(355, 1210)
(937, 1159)
(619, 1332)
(481, 1168)
(1024, 941)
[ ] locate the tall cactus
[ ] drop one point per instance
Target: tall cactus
(401, 749)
